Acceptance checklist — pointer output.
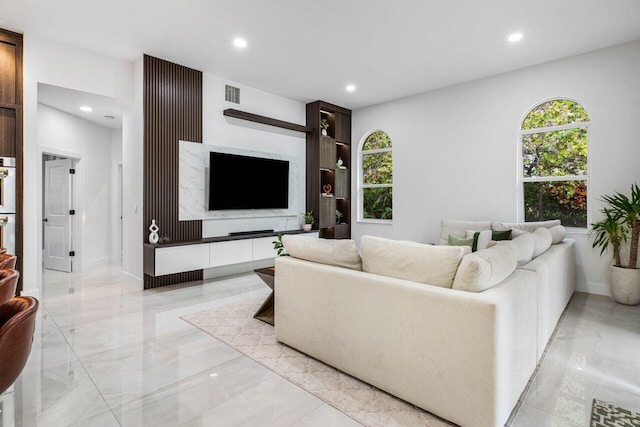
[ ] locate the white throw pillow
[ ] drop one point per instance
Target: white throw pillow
(486, 268)
(524, 226)
(484, 237)
(459, 228)
(338, 252)
(524, 246)
(558, 233)
(418, 262)
(542, 240)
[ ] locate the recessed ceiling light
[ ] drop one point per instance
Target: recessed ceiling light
(515, 37)
(86, 108)
(350, 88)
(240, 43)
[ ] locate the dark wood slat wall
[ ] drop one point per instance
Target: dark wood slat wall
(172, 112)
(11, 129)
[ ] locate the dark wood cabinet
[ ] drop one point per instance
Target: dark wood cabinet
(328, 168)
(11, 117)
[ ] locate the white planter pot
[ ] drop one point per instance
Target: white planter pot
(306, 227)
(625, 285)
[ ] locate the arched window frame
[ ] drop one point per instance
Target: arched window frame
(520, 161)
(362, 186)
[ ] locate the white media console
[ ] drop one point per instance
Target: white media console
(170, 258)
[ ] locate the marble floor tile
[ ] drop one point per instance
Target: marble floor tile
(107, 353)
(56, 396)
(326, 415)
(240, 392)
(128, 372)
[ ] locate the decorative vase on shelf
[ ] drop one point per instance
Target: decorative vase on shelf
(153, 236)
(324, 132)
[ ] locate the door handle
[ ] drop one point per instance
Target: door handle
(4, 173)
(4, 221)
(45, 220)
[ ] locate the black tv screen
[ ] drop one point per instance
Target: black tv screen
(246, 182)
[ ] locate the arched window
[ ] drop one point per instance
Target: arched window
(375, 183)
(554, 173)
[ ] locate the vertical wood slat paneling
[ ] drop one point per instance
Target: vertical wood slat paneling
(172, 112)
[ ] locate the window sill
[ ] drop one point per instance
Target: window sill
(577, 231)
(375, 221)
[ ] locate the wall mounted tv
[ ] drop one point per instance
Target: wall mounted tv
(247, 182)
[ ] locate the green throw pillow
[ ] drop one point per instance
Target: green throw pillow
(460, 241)
(474, 246)
(501, 235)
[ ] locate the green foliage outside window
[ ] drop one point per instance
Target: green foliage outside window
(377, 169)
(555, 153)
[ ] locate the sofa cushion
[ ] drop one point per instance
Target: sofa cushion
(524, 226)
(542, 240)
(486, 268)
(338, 252)
(558, 233)
(459, 228)
(418, 262)
(524, 246)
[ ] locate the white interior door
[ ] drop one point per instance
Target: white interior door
(57, 221)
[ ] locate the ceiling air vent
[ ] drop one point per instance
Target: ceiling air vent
(232, 94)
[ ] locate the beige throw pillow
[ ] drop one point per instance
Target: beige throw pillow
(486, 268)
(338, 252)
(558, 233)
(542, 240)
(524, 226)
(484, 237)
(524, 246)
(418, 262)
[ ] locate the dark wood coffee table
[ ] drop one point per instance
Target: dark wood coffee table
(265, 312)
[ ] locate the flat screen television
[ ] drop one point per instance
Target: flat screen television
(247, 182)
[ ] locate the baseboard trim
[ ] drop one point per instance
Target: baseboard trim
(139, 279)
(593, 288)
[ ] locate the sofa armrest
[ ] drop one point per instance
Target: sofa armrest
(463, 356)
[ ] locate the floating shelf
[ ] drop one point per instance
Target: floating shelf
(243, 115)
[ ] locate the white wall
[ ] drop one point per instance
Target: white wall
(64, 134)
(58, 64)
(239, 134)
(115, 142)
(222, 131)
(132, 165)
(455, 149)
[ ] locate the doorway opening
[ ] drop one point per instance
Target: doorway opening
(58, 211)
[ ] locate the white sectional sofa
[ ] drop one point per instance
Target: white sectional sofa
(463, 355)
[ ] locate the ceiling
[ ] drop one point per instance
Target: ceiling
(308, 50)
(70, 101)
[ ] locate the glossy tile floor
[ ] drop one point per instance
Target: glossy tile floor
(107, 353)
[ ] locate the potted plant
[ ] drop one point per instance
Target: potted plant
(324, 124)
(338, 216)
(621, 223)
(308, 220)
(279, 246)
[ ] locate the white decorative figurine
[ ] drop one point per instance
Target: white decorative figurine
(153, 236)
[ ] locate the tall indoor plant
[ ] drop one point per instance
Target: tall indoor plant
(621, 223)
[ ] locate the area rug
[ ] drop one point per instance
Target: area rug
(234, 325)
(604, 414)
